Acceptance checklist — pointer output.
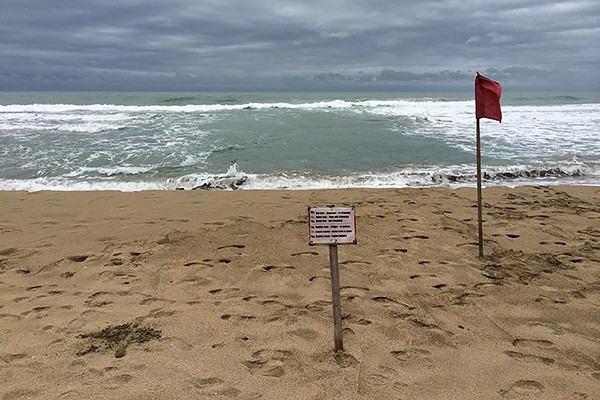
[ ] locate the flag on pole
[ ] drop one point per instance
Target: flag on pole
(487, 98)
(487, 105)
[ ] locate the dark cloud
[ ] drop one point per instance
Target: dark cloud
(290, 45)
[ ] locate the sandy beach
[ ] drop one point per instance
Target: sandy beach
(195, 294)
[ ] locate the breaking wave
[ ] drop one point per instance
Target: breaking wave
(234, 178)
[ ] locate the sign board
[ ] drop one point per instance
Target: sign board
(331, 225)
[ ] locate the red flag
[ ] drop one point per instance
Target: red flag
(487, 98)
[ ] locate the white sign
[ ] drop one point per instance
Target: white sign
(331, 225)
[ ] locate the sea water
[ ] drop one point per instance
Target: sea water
(165, 141)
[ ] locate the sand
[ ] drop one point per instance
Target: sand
(177, 295)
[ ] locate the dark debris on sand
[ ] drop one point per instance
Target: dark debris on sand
(117, 338)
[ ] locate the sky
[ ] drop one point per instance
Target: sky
(301, 45)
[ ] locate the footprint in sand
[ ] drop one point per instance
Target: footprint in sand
(10, 358)
(206, 382)
(40, 309)
(409, 355)
(532, 343)
(556, 300)
(383, 300)
(276, 268)
(421, 323)
(270, 302)
(529, 357)
(377, 380)
(226, 291)
(227, 317)
(214, 386)
(351, 292)
(78, 259)
(23, 271)
(305, 333)
(484, 285)
(318, 305)
(19, 394)
(442, 212)
(122, 378)
(305, 253)
(200, 263)
(268, 362)
(408, 219)
(464, 298)
(158, 313)
(522, 389)
(577, 295)
(152, 300)
(491, 272)
(99, 299)
(392, 252)
(119, 276)
(355, 262)
(344, 359)
(116, 261)
(9, 251)
(539, 216)
(232, 246)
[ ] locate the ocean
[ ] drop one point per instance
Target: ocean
(165, 141)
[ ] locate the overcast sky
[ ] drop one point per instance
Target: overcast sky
(297, 45)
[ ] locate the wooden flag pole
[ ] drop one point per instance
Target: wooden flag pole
(479, 199)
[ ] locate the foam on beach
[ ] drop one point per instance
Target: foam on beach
(131, 179)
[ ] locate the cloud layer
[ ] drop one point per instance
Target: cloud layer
(290, 45)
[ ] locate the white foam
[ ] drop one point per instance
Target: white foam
(56, 122)
(562, 129)
(109, 171)
(331, 104)
(65, 108)
(410, 176)
(34, 185)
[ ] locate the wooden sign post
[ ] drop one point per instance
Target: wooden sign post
(332, 226)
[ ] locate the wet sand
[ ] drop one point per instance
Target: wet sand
(174, 295)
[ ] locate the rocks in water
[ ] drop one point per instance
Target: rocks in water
(222, 182)
(231, 180)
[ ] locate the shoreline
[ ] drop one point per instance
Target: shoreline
(192, 294)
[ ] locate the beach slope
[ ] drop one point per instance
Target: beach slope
(192, 294)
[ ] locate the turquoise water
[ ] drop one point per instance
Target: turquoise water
(138, 141)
